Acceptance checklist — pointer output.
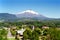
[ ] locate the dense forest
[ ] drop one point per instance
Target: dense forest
(39, 33)
(49, 23)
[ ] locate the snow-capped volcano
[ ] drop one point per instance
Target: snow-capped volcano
(28, 14)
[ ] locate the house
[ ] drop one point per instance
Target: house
(20, 33)
(45, 27)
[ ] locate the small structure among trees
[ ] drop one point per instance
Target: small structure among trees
(19, 33)
(45, 27)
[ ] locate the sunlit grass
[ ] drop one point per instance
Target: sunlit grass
(11, 38)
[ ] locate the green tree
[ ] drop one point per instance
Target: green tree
(54, 34)
(3, 34)
(36, 34)
(27, 34)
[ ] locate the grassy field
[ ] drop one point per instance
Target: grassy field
(11, 38)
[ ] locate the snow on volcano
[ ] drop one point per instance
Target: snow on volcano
(28, 12)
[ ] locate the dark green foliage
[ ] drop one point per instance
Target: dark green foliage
(54, 34)
(18, 27)
(3, 34)
(13, 32)
(50, 23)
(27, 34)
(32, 34)
(36, 34)
(45, 32)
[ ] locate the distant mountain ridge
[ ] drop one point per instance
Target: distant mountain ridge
(25, 15)
(7, 17)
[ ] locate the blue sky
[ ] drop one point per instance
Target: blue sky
(49, 8)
